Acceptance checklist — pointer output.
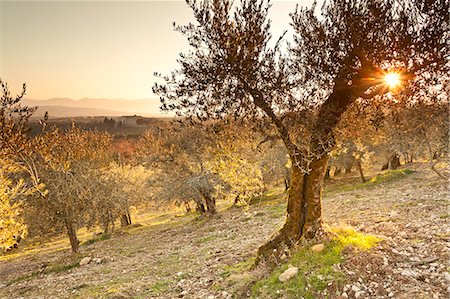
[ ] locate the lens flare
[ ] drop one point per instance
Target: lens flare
(392, 79)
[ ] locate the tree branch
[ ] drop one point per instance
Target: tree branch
(258, 99)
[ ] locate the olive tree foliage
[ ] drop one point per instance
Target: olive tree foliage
(234, 158)
(338, 56)
(412, 125)
(357, 137)
(419, 129)
(203, 164)
(229, 55)
(120, 187)
(12, 225)
(68, 163)
(275, 164)
(18, 177)
(179, 155)
(84, 185)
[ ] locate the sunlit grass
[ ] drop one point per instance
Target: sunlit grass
(238, 268)
(53, 245)
(268, 197)
(317, 271)
(389, 176)
(158, 288)
(174, 216)
(346, 236)
(88, 237)
(386, 177)
(207, 239)
(98, 238)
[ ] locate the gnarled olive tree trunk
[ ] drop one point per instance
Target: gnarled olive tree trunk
(304, 208)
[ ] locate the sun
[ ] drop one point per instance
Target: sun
(392, 79)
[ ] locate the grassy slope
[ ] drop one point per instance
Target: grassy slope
(320, 267)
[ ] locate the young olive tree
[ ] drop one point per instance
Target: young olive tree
(178, 153)
(337, 57)
(68, 163)
(118, 188)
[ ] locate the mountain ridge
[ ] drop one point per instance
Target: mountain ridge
(68, 107)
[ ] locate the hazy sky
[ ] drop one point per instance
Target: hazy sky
(103, 49)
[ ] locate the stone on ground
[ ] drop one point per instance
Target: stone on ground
(318, 248)
(288, 274)
(86, 260)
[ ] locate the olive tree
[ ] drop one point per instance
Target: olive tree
(116, 189)
(178, 153)
(338, 56)
(68, 163)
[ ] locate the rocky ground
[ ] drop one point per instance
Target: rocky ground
(412, 216)
(192, 258)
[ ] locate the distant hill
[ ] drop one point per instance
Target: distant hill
(66, 107)
(64, 111)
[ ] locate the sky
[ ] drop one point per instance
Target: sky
(102, 49)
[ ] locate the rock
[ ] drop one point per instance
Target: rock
(318, 248)
(86, 260)
(97, 260)
(184, 293)
(283, 257)
(391, 294)
(226, 295)
(355, 289)
(358, 294)
(288, 274)
(180, 283)
(409, 272)
(393, 214)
